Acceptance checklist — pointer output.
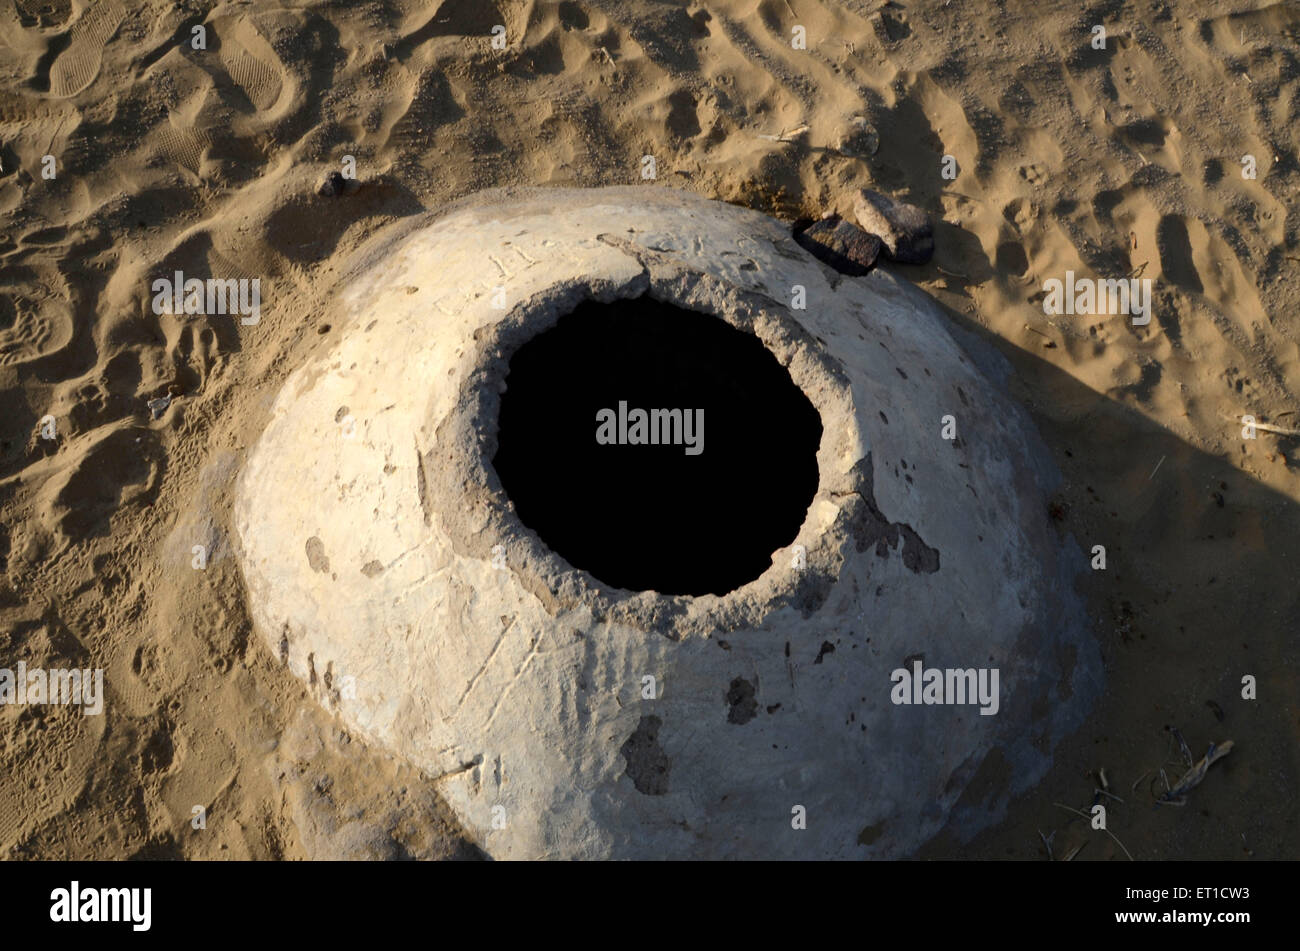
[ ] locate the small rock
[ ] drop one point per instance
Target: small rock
(159, 406)
(839, 243)
(859, 139)
(904, 229)
(333, 185)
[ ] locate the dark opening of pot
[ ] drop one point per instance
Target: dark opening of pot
(656, 448)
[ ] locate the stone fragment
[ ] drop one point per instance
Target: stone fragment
(840, 244)
(904, 229)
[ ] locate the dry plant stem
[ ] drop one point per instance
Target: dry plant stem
(1267, 427)
(1084, 815)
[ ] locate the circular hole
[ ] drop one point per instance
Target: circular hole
(656, 448)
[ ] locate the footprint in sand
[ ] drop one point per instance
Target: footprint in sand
(1033, 174)
(184, 146)
(43, 14)
(108, 470)
(35, 314)
(1199, 261)
(78, 65)
(62, 738)
(247, 58)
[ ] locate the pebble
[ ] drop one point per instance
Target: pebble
(860, 139)
(159, 406)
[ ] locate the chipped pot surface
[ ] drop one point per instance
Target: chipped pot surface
(384, 565)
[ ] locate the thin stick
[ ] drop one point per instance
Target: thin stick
(1078, 812)
(786, 135)
(1268, 427)
(949, 191)
(1182, 746)
(1196, 773)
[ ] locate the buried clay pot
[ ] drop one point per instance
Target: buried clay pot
(399, 558)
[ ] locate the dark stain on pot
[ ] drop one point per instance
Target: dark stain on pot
(741, 701)
(647, 763)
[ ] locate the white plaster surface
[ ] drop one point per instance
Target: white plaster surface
(374, 581)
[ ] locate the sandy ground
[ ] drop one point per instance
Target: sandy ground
(207, 161)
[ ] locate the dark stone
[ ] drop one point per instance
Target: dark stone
(840, 244)
(904, 229)
(333, 185)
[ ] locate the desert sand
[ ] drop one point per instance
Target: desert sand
(1110, 162)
